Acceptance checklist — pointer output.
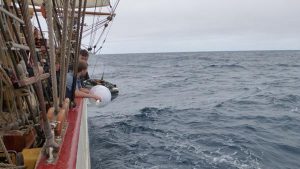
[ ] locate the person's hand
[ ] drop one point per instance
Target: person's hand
(97, 98)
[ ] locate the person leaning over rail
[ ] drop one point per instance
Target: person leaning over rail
(79, 91)
(83, 57)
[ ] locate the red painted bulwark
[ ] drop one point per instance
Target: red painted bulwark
(68, 151)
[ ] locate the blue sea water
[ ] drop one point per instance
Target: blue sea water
(208, 110)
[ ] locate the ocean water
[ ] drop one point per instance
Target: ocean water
(209, 110)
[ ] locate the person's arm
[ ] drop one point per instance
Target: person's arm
(79, 93)
(85, 90)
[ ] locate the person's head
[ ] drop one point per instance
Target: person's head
(82, 68)
(83, 55)
(57, 66)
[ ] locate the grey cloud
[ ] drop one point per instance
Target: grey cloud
(212, 24)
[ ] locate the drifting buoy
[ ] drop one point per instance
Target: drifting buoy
(102, 92)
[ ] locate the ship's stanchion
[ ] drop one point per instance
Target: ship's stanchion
(60, 119)
(50, 149)
(51, 118)
(66, 106)
(57, 123)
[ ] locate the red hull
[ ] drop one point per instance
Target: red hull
(68, 151)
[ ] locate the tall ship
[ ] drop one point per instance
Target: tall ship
(40, 43)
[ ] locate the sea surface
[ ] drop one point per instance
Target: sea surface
(208, 110)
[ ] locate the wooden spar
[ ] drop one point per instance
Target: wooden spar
(56, 23)
(77, 48)
(96, 13)
(63, 52)
(39, 24)
(11, 15)
(82, 23)
(7, 37)
(28, 26)
(88, 13)
(69, 44)
(52, 53)
(77, 36)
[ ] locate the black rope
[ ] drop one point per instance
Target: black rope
(93, 23)
(40, 28)
(77, 46)
(98, 27)
(106, 25)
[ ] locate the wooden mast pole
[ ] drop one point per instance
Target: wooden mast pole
(63, 66)
(88, 13)
(69, 47)
(52, 53)
(82, 23)
(77, 48)
(28, 26)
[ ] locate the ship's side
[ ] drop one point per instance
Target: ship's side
(74, 150)
(39, 126)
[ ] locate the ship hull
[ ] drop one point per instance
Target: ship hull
(74, 151)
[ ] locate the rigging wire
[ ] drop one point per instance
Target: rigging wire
(104, 38)
(88, 28)
(101, 48)
(95, 26)
(98, 27)
(112, 20)
(40, 28)
(93, 22)
(105, 26)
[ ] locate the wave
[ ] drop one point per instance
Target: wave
(287, 65)
(264, 100)
(230, 66)
(130, 126)
(289, 98)
(239, 103)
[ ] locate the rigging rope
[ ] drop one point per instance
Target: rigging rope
(69, 44)
(112, 20)
(40, 28)
(43, 42)
(78, 44)
(101, 48)
(28, 26)
(82, 24)
(93, 22)
(52, 55)
(98, 27)
(105, 37)
(106, 25)
(63, 51)
(93, 29)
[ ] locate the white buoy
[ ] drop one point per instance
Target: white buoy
(102, 92)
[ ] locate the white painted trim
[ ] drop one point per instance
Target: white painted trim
(83, 151)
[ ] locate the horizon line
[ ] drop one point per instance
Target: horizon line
(204, 51)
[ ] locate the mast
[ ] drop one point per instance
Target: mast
(63, 52)
(69, 44)
(28, 26)
(77, 48)
(25, 97)
(52, 54)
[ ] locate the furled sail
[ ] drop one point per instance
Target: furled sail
(89, 4)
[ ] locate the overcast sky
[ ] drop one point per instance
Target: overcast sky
(143, 26)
